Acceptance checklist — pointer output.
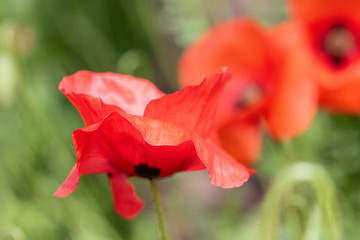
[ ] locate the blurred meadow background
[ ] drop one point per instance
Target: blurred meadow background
(41, 41)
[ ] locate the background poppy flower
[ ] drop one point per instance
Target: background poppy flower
(134, 130)
(261, 86)
(331, 35)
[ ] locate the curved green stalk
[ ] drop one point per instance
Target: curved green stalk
(321, 215)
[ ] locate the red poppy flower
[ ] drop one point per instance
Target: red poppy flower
(331, 36)
(133, 129)
(261, 86)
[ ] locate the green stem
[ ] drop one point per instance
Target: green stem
(159, 211)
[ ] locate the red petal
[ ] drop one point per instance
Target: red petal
(239, 44)
(95, 95)
(193, 107)
(126, 202)
(91, 164)
(312, 10)
(69, 185)
(168, 144)
(242, 140)
(137, 140)
(243, 46)
(292, 109)
(224, 171)
(294, 102)
(344, 99)
(228, 110)
(339, 87)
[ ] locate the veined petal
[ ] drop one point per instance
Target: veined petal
(156, 132)
(95, 95)
(193, 107)
(224, 171)
(168, 144)
(127, 143)
(126, 202)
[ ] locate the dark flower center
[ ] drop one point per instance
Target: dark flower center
(143, 170)
(338, 44)
(249, 96)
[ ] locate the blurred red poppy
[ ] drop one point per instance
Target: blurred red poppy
(262, 86)
(133, 129)
(331, 36)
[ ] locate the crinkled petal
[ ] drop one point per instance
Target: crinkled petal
(242, 45)
(126, 202)
(95, 95)
(193, 107)
(91, 164)
(126, 143)
(224, 171)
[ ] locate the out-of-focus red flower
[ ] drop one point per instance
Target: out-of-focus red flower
(262, 86)
(133, 129)
(330, 33)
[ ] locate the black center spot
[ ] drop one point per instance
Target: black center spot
(338, 43)
(143, 170)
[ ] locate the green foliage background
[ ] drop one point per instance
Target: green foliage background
(42, 41)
